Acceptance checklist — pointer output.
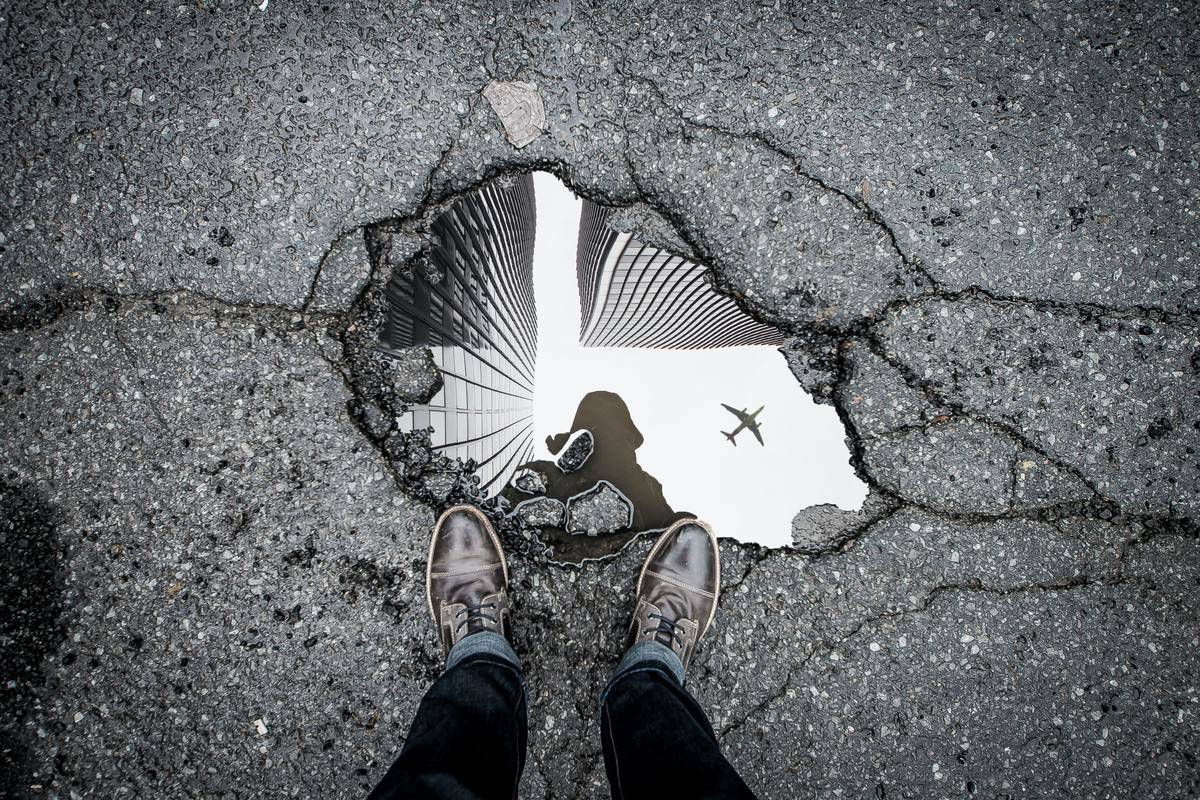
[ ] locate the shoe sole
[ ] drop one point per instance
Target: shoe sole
(487, 526)
(658, 545)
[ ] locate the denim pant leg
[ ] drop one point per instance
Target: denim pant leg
(657, 741)
(467, 741)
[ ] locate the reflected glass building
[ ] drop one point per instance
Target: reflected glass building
(480, 322)
(635, 295)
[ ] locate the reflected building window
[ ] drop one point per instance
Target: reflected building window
(635, 295)
(480, 323)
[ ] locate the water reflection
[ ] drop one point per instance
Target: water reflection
(634, 295)
(613, 459)
(472, 305)
(616, 313)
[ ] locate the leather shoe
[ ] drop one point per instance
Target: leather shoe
(678, 588)
(466, 578)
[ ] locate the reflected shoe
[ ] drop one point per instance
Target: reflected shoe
(678, 588)
(466, 578)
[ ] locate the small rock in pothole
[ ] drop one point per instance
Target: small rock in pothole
(378, 423)
(439, 484)
(541, 512)
(410, 372)
(601, 509)
(520, 109)
(529, 481)
(577, 451)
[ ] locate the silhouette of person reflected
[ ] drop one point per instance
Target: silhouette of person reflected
(613, 459)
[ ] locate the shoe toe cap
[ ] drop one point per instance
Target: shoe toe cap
(690, 556)
(463, 540)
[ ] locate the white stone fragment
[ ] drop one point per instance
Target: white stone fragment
(520, 109)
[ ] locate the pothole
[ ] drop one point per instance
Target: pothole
(593, 330)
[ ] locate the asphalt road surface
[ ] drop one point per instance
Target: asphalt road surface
(978, 226)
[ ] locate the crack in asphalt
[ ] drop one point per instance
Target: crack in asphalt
(314, 284)
(876, 217)
(938, 398)
(845, 542)
(31, 316)
(869, 213)
(924, 604)
(288, 173)
(292, 319)
(1005, 432)
(288, 318)
(146, 396)
(756, 555)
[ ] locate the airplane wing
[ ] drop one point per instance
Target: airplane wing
(757, 435)
(734, 411)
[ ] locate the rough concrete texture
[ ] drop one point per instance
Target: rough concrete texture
(528, 481)
(578, 450)
(979, 225)
(823, 529)
(601, 509)
(541, 512)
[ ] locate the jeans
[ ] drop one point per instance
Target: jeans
(468, 739)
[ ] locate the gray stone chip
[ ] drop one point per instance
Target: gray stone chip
(529, 481)
(439, 484)
(541, 512)
(577, 451)
(413, 374)
(601, 509)
(520, 109)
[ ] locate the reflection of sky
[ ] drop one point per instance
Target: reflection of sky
(748, 492)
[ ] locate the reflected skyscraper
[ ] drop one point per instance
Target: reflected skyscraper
(480, 323)
(473, 307)
(635, 295)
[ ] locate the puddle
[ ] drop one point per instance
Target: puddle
(613, 459)
(632, 345)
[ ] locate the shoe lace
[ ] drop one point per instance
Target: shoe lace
(475, 614)
(668, 628)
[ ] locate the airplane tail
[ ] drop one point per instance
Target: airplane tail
(730, 437)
